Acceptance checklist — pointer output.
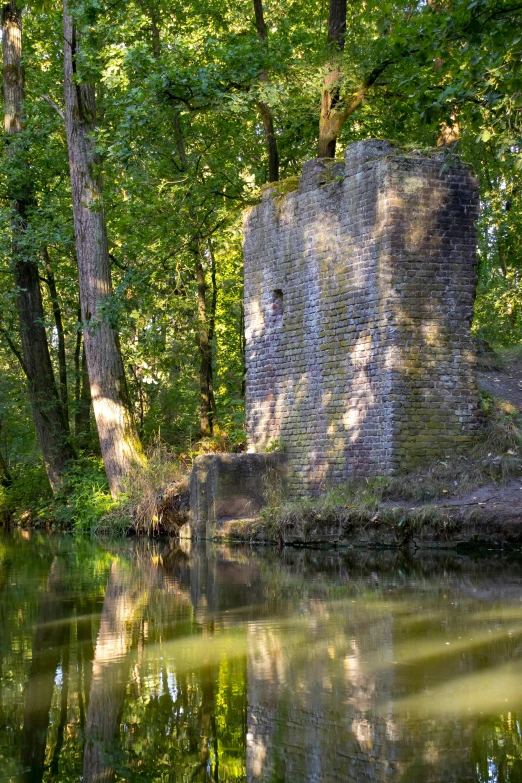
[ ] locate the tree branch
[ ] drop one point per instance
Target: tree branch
(55, 106)
(15, 351)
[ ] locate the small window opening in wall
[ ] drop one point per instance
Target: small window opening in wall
(277, 306)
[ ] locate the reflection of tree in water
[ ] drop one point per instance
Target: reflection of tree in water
(110, 670)
(39, 605)
(51, 643)
(497, 750)
(106, 671)
(185, 720)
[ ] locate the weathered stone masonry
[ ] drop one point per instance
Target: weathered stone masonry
(359, 290)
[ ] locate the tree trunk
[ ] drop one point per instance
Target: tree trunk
(264, 109)
(334, 110)
(331, 91)
(51, 426)
(82, 393)
(77, 372)
(205, 354)
(328, 123)
(449, 134)
(5, 474)
(120, 445)
(58, 322)
(154, 27)
(84, 415)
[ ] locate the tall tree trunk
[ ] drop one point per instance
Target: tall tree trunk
(264, 109)
(205, 353)
(331, 91)
(120, 445)
(50, 423)
(152, 10)
(5, 474)
(334, 109)
(58, 322)
(77, 372)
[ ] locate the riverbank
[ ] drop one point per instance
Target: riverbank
(491, 516)
(463, 501)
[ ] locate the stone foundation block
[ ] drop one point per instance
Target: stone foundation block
(231, 486)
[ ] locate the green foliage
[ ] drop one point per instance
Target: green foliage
(84, 498)
(26, 500)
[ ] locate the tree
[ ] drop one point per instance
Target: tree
(49, 415)
(329, 119)
(120, 445)
(189, 100)
(264, 109)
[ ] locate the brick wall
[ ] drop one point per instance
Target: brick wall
(359, 289)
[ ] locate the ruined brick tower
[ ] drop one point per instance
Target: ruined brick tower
(359, 289)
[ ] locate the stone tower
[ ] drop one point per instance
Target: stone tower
(359, 289)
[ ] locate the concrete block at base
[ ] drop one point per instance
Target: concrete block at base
(231, 486)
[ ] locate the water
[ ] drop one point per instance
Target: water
(139, 661)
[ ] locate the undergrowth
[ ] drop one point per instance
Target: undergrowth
(155, 494)
(84, 500)
(150, 503)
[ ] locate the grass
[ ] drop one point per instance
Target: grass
(157, 496)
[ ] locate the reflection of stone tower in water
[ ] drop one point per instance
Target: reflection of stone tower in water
(313, 705)
(359, 290)
(321, 694)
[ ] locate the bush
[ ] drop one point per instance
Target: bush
(85, 499)
(24, 501)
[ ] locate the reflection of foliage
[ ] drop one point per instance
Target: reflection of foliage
(497, 750)
(24, 585)
(171, 731)
(181, 721)
(183, 725)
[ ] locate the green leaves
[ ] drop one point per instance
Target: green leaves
(485, 135)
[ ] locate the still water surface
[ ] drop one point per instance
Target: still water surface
(139, 661)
